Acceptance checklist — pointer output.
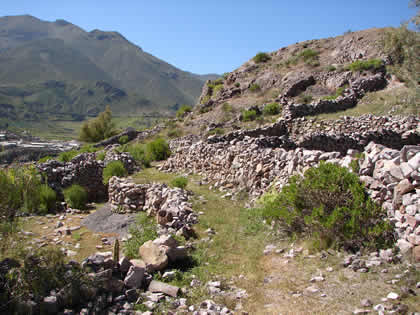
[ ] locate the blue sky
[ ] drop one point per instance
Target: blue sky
(216, 36)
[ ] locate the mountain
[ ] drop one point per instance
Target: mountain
(59, 68)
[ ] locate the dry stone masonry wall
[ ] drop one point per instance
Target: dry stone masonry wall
(170, 206)
(237, 161)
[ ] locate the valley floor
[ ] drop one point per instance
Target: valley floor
(279, 276)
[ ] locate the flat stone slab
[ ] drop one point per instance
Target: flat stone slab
(157, 286)
(106, 221)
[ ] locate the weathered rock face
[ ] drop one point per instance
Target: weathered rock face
(169, 205)
(83, 170)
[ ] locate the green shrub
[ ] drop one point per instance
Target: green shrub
(76, 196)
(261, 57)
(48, 198)
(249, 115)
(254, 87)
(114, 168)
(216, 131)
(271, 109)
(174, 133)
(158, 150)
(143, 231)
(237, 84)
(338, 92)
(123, 139)
(89, 148)
(100, 156)
(227, 108)
(218, 81)
(99, 128)
(305, 99)
(308, 55)
(331, 68)
(180, 182)
(45, 159)
(360, 65)
(41, 272)
(217, 88)
(205, 99)
(183, 110)
(138, 152)
(67, 156)
(330, 205)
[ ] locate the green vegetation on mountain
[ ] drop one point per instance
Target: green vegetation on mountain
(56, 70)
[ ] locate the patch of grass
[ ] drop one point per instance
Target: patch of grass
(249, 115)
(183, 110)
(45, 159)
(114, 168)
(237, 84)
(67, 156)
(76, 236)
(338, 92)
(180, 182)
(254, 87)
(330, 68)
(205, 99)
(261, 57)
(271, 109)
(174, 133)
(143, 231)
(310, 57)
(361, 65)
(123, 140)
(305, 98)
(216, 131)
(76, 196)
(100, 156)
(227, 108)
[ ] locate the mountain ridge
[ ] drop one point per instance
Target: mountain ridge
(35, 52)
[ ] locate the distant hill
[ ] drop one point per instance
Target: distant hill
(58, 68)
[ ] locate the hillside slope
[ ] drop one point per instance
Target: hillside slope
(370, 71)
(33, 52)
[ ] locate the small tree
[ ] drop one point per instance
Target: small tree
(99, 128)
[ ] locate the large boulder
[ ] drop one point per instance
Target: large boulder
(154, 256)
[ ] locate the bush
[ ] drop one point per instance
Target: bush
(42, 271)
(174, 133)
(227, 108)
(254, 87)
(158, 150)
(309, 54)
(329, 204)
(183, 110)
(76, 196)
(100, 156)
(305, 99)
(330, 68)
(249, 115)
(67, 156)
(360, 65)
(48, 198)
(261, 57)
(218, 81)
(114, 168)
(138, 152)
(123, 139)
(143, 231)
(45, 159)
(216, 131)
(180, 182)
(237, 84)
(99, 128)
(338, 92)
(271, 109)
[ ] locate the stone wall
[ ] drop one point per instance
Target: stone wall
(83, 170)
(170, 206)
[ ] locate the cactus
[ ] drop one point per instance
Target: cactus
(116, 251)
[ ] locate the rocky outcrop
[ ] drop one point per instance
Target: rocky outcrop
(296, 83)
